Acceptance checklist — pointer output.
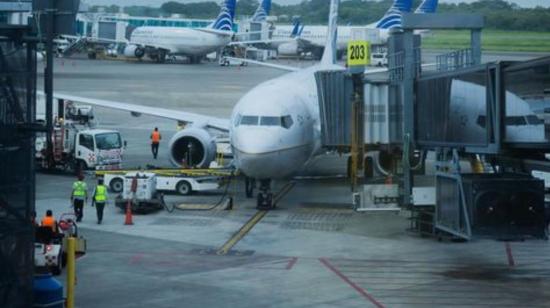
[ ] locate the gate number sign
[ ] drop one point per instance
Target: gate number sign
(358, 53)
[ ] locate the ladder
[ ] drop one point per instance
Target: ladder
(58, 139)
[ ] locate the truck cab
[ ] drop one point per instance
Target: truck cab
(98, 149)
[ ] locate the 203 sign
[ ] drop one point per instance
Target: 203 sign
(358, 53)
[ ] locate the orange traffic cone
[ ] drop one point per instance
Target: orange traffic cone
(128, 219)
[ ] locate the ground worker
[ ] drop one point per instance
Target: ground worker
(155, 140)
(78, 196)
(49, 221)
(99, 199)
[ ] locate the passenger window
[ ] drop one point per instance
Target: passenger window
(270, 121)
(286, 121)
(86, 141)
(249, 120)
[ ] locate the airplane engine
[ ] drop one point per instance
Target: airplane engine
(288, 49)
(194, 145)
(134, 51)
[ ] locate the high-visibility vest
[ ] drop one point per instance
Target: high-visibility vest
(100, 193)
(48, 221)
(155, 137)
(79, 188)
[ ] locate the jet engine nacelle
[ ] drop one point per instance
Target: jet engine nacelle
(194, 145)
(288, 49)
(134, 51)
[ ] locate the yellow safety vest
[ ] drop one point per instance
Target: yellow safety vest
(100, 193)
(79, 188)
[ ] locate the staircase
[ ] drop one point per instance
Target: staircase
(76, 46)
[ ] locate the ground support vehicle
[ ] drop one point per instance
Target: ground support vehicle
(181, 181)
(76, 144)
(50, 246)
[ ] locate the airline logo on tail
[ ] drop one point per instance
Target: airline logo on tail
(298, 28)
(427, 7)
(225, 18)
(392, 18)
(262, 11)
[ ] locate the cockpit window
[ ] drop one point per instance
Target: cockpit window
(534, 120)
(270, 121)
(286, 121)
(249, 120)
(515, 121)
(237, 120)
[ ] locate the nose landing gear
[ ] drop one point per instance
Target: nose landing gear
(265, 196)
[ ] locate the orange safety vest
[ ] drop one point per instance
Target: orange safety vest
(155, 136)
(49, 221)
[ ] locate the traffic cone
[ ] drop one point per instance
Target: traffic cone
(128, 219)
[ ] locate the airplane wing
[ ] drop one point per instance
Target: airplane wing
(277, 66)
(216, 31)
(262, 41)
(186, 117)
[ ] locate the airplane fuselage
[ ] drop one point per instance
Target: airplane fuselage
(275, 128)
(181, 41)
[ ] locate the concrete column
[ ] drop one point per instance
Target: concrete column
(475, 43)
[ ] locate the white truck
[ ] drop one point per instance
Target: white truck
(76, 144)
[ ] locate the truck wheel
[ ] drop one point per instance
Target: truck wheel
(116, 185)
(183, 188)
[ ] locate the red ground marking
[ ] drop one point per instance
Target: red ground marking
(361, 291)
(291, 263)
(511, 261)
(136, 258)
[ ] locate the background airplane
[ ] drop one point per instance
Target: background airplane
(312, 38)
(158, 42)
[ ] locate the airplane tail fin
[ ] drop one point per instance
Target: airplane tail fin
(392, 18)
(329, 55)
(262, 11)
(427, 7)
(297, 30)
(224, 21)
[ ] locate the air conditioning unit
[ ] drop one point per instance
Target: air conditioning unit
(377, 197)
(500, 206)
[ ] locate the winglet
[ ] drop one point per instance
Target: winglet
(329, 55)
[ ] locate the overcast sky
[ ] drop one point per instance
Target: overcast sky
(525, 3)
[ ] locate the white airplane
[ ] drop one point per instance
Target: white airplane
(274, 129)
(467, 116)
(157, 42)
(312, 38)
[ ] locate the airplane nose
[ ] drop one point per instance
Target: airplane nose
(256, 141)
(263, 156)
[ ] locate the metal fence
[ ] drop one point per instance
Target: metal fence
(17, 92)
(455, 60)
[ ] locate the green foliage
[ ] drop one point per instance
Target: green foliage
(493, 40)
(500, 14)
